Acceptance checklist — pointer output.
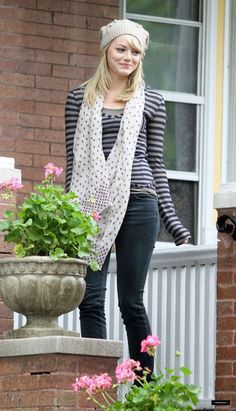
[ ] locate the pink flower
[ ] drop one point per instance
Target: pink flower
(150, 344)
(93, 384)
(102, 381)
(125, 373)
(96, 216)
(12, 184)
(51, 169)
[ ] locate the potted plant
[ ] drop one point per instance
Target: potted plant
(156, 392)
(52, 237)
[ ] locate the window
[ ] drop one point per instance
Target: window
(173, 66)
(229, 129)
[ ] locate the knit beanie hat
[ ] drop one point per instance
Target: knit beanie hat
(120, 27)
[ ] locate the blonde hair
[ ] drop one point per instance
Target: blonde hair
(99, 83)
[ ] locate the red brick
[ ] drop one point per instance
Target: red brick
(19, 106)
(68, 72)
(225, 308)
(5, 312)
(224, 368)
(5, 325)
(31, 4)
(50, 83)
(41, 160)
(57, 123)
(8, 13)
(83, 60)
(17, 79)
(58, 149)
(36, 42)
(18, 132)
(100, 11)
(226, 323)
(33, 94)
(52, 31)
(225, 383)
(69, 20)
(50, 109)
(59, 96)
(224, 277)
(226, 353)
(54, 5)
(32, 120)
(8, 66)
(96, 22)
(28, 146)
(17, 53)
(10, 39)
(17, 27)
(55, 57)
(68, 46)
(34, 68)
(38, 16)
(224, 293)
(49, 135)
(84, 35)
(8, 91)
(8, 145)
(8, 118)
(225, 338)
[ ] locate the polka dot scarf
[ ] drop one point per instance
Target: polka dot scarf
(104, 186)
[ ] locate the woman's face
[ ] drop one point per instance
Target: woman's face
(122, 58)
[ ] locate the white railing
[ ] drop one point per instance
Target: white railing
(180, 297)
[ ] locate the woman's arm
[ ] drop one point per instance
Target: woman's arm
(155, 139)
(72, 108)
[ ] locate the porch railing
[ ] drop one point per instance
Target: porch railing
(180, 297)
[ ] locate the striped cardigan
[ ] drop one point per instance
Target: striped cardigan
(148, 166)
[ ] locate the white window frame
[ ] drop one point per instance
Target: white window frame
(205, 100)
(228, 137)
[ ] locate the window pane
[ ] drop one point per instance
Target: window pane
(171, 61)
(180, 137)
(176, 9)
(184, 195)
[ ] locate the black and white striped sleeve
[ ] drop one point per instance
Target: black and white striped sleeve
(72, 108)
(155, 140)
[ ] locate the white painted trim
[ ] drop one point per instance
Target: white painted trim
(182, 97)
(164, 20)
(225, 119)
(182, 175)
(7, 162)
(206, 230)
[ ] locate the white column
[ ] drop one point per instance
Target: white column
(8, 170)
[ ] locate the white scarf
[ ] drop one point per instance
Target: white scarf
(104, 186)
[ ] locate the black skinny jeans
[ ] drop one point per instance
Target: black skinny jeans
(134, 246)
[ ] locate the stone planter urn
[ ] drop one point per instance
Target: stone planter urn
(41, 289)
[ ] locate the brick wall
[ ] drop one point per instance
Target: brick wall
(46, 48)
(226, 319)
(44, 382)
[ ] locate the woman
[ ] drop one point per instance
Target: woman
(114, 141)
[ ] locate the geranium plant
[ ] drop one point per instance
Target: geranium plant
(49, 221)
(150, 392)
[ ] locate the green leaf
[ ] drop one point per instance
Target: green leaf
(57, 253)
(94, 265)
(9, 214)
(78, 230)
(34, 234)
(4, 225)
(186, 371)
(19, 250)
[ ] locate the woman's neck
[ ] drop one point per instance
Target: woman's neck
(111, 98)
